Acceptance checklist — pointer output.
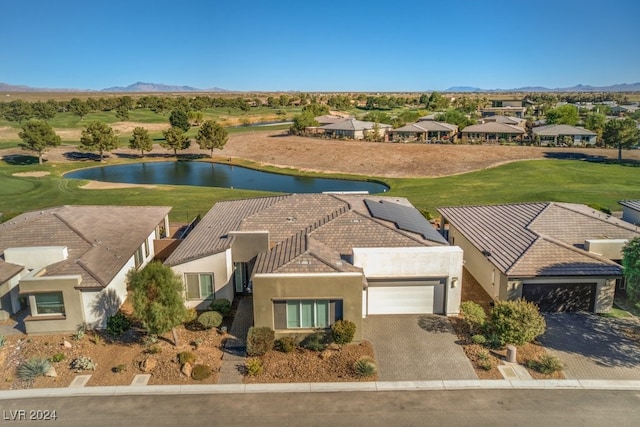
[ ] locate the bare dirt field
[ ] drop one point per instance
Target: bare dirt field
(276, 148)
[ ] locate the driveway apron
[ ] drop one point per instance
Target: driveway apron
(416, 348)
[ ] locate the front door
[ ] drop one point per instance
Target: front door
(241, 277)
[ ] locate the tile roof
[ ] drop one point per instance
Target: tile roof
(493, 127)
(556, 130)
(353, 124)
(99, 239)
(428, 126)
(504, 119)
(631, 204)
(308, 232)
(539, 238)
(8, 270)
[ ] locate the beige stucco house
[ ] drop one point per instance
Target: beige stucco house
(493, 132)
(68, 264)
(424, 131)
(631, 211)
(353, 129)
(312, 259)
(564, 134)
(561, 256)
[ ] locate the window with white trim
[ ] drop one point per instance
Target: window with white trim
(50, 303)
(307, 313)
(199, 286)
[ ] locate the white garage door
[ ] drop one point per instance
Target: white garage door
(405, 297)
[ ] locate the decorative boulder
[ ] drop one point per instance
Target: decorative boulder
(148, 364)
(51, 373)
(66, 344)
(187, 369)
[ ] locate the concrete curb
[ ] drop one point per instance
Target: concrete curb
(381, 386)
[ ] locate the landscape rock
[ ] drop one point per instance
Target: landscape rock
(325, 354)
(186, 370)
(333, 346)
(51, 373)
(148, 364)
(66, 344)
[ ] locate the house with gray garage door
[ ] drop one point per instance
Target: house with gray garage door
(312, 259)
(68, 265)
(561, 256)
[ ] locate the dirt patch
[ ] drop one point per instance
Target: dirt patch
(34, 174)
(98, 185)
(302, 366)
(127, 353)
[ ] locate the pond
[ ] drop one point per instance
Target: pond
(220, 175)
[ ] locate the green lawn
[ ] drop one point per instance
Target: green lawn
(540, 180)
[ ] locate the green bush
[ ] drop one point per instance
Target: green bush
(222, 306)
(186, 357)
(285, 344)
(118, 324)
(254, 367)
(58, 357)
(479, 339)
(201, 372)
(32, 368)
(546, 365)
(83, 363)
(364, 367)
(493, 341)
(343, 331)
(259, 340)
(474, 315)
(154, 349)
(516, 322)
(314, 342)
(210, 319)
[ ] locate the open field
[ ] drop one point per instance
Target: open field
(429, 175)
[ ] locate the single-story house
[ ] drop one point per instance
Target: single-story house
(424, 131)
(68, 264)
(353, 129)
(561, 256)
(504, 111)
(515, 121)
(624, 109)
(564, 134)
(631, 211)
(312, 259)
(329, 119)
(493, 132)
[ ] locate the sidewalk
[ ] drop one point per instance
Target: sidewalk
(235, 347)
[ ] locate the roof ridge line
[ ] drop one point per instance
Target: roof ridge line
(578, 250)
(617, 223)
(74, 229)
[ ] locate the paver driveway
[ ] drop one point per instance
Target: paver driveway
(416, 348)
(594, 347)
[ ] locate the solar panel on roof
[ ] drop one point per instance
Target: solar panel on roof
(405, 218)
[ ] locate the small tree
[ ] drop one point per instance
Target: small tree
(631, 265)
(621, 133)
(156, 296)
(122, 112)
(516, 322)
(175, 140)
(140, 140)
(98, 136)
(38, 135)
(303, 121)
(211, 136)
(180, 119)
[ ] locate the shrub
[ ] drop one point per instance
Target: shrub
(485, 364)
(210, 319)
(154, 349)
(343, 331)
(315, 342)
(479, 339)
(150, 339)
(186, 357)
(32, 368)
(120, 368)
(516, 322)
(222, 306)
(254, 367)
(493, 341)
(200, 372)
(97, 339)
(285, 344)
(83, 363)
(118, 324)
(79, 334)
(259, 340)
(364, 367)
(2, 340)
(546, 365)
(58, 357)
(474, 315)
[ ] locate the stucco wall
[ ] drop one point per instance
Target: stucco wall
(9, 297)
(343, 286)
(222, 268)
(630, 215)
(247, 245)
(418, 262)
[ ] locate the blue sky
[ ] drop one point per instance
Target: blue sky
(393, 45)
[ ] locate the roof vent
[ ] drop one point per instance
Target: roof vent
(290, 219)
(486, 252)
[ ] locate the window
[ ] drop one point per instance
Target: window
(146, 248)
(307, 313)
(49, 304)
(199, 286)
(138, 257)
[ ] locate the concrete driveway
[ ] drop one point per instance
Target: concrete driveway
(416, 348)
(594, 347)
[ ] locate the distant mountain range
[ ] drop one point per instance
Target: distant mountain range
(621, 87)
(157, 87)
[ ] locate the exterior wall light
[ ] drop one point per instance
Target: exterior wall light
(454, 282)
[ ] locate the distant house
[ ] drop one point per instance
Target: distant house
(312, 259)
(624, 109)
(431, 116)
(329, 119)
(515, 121)
(68, 264)
(424, 131)
(493, 132)
(561, 256)
(510, 107)
(353, 129)
(631, 211)
(564, 134)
